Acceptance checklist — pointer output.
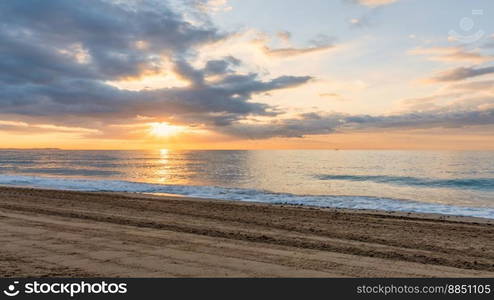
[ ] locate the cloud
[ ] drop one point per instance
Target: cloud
(317, 124)
(480, 86)
(37, 35)
(304, 124)
(470, 112)
(451, 54)
(26, 128)
(211, 5)
(285, 36)
(57, 58)
(466, 112)
(318, 44)
(330, 95)
(366, 20)
(428, 119)
(219, 67)
(218, 104)
(361, 22)
(288, 52)
(375, 3)
(333, 96)
(461, 73)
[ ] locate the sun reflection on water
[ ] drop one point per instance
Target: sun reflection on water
(162, 171)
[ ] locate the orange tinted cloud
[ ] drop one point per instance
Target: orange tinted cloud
(375, 3)
(451, 54)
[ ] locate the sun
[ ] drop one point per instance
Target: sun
(164, 129)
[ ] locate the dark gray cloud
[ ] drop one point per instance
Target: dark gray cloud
(304, 124)
(34, 34)
(56, 57)
(220, 67)
(228, 98)
(321, 123)
(429, 119)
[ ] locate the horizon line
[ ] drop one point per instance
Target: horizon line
(243, 149)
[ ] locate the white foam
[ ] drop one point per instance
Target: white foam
(337, 201)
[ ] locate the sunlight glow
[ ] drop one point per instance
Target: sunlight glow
(164, 129)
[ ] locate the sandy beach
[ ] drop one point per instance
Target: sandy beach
(61, 233)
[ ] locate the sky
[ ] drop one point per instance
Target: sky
(232, 74)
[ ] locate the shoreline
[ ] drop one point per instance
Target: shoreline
(60, 233)
(357, 202)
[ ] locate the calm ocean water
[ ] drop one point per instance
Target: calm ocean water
(455, 182)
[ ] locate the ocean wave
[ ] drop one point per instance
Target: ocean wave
(251, 195)
(461, 183)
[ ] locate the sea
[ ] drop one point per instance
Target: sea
(445, 182)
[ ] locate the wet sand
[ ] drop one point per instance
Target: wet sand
(64, 234)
